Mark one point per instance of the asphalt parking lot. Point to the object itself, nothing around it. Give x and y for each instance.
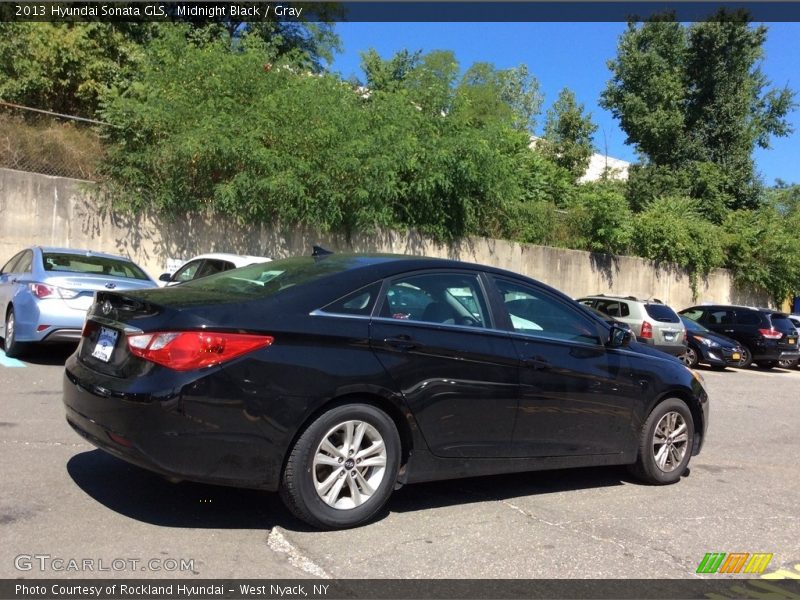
(64, 500)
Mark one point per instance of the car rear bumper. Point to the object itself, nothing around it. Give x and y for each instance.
(673, 349)
(158, 435)
(47, 320)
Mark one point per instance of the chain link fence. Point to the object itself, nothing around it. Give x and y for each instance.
(49, 143)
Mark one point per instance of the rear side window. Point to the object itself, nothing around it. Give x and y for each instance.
(10, 265)
(358, 303)
(25, 262)
(445, 298)
(662, 313)
(614, 308)
(748, 317)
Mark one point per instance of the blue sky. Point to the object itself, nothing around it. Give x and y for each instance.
(570, 55)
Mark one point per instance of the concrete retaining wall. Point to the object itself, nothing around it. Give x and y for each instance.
(38, 209)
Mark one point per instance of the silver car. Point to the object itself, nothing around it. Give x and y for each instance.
(653, 322)
(45, 292)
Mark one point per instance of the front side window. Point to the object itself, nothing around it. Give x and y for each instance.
(187, 271)
(535, 312)
(720, 317)
(693, 313)
(444, 298)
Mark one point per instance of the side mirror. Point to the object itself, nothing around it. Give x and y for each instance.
(165, 277)
(619, 336)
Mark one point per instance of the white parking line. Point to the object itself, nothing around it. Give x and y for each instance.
(9, 362)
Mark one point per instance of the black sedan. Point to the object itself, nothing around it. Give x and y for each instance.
(337, 378)
(709, 348)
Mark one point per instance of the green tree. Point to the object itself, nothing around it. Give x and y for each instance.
(696, 94)
(568, 134)
(67, 67)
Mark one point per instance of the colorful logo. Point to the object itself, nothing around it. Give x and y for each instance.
(735, 562)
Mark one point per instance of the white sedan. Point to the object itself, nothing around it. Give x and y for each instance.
(208, 264)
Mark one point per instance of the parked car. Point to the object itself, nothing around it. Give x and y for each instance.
(45, 292)
(204, 265)
(335, 379)
(792, 362)
(766, 336)
(653, 322)
(709, 348)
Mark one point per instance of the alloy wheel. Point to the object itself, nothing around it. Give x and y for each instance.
(689, 357)
(670, 441)
(349, 464)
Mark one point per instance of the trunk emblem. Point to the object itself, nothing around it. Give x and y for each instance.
(105, 308)
(111, 286)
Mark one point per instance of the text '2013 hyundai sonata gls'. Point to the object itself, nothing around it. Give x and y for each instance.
(334, 379)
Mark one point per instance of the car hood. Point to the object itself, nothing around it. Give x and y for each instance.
(723, 341)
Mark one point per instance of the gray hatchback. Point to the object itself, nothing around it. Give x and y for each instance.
(653, 322)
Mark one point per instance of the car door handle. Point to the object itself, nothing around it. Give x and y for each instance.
(537, 363)
(401, 342)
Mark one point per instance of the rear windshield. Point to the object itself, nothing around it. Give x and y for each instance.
(783, 324)
(662, 313)
(62, 262)
(268, 279)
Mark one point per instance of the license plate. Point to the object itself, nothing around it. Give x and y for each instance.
(105, 344)
(736, 356)
(792, 341)
(669, 337)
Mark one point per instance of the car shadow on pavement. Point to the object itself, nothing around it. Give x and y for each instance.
(48, 354)
(496, 488)
(145, 496)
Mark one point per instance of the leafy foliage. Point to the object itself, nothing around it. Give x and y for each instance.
(568, 134)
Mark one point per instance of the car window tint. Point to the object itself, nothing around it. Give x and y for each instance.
(359, 302)
(11, 264)
(662, 313)
(188, 271)
(720, 317)
(535, 312)
(609, 307)
(693, 313)
(92, 265)
(748, 317)
(445, 298)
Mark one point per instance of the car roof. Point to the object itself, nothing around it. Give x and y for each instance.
(79, 252)
(234, 258)
(629, 298)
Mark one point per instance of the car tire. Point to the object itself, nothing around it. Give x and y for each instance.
(12, 347)
(767, 364)
(322, 482)
(690, 358)
(665, 444)
(747, 358)
(787, 364)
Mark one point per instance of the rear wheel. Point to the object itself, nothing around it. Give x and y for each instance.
(13, 348)
(665, 444)
(343, 468)
(767, 364)
(690, 358)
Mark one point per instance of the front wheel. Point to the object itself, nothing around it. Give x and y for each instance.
(343, 468)
(747, 359)
(787, 364)
(665, 445)
(690, 358)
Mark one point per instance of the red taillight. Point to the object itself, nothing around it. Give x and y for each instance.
(187, 350)
(41, 290)
(647, 331)
(770, 334)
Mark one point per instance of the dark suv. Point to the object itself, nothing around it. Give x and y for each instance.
(767, 336)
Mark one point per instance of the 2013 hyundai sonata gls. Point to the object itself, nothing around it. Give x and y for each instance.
(333, 379)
